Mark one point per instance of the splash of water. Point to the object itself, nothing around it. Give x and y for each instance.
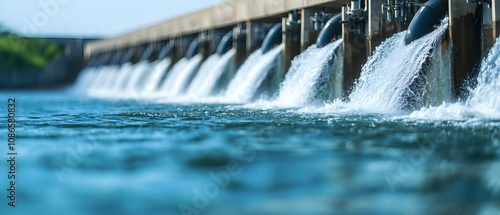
(486, 96)
(179, 77)
(483, 101)
(209, 74)
(251, 75)
(309, 70)
(386, 77)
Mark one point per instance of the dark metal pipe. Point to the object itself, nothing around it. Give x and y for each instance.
(147, 53)
(164, 52)
(193, 48)
(127, 56)
(427, 17)
(274, 37)
(225, 44)
(331, 31)
(116, 59)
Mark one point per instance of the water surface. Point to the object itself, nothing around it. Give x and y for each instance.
(90, 156)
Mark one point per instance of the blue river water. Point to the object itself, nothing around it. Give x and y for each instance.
(79, 155)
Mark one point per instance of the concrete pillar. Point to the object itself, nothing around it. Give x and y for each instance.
(487, 33)
(138, 51)
(379, 29)
(156, 49)
(465, 35)
(207, 40)
(239, 43)
(291, 41)
(179, 48)
(355, 55)
(176, 46)
(253, 36)
(173, 49)
(308, 35)
(157, 45)
(496, 18)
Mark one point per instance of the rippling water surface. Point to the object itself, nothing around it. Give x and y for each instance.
(88, 156)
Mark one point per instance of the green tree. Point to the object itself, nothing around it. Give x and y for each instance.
(26, 53)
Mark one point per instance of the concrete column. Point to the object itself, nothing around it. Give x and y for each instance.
(355, 55)
(157, 44)
(496, 18)
(253, 41)
(488, 37)
(239, 43)
(206, 43)
(180, 45)
(308, 35)
(138, 51)
(176, 46)
(154, 50)
(465, 35)
(291, 41)
(173, 49)
(379, 29)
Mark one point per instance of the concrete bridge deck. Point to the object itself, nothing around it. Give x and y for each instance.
(218, 16)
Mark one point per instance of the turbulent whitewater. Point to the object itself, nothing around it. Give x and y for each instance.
(386, 77)
(179, 77)
(309, 75)
(251, 75)
(483, 101)
(208, 76)
(153, 80)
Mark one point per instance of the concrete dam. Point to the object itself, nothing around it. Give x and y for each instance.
(396, 54)
(257, 107)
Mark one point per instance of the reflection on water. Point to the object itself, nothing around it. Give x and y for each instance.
(84, 156)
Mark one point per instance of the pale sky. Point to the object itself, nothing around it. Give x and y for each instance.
(91, 18)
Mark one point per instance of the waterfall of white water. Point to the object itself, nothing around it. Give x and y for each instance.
(486, 96)
(251, 75)
(140, 69)
(177, 79)
(101, 74)
(438, 87)
(311, 68)
(121, 79)
(83, 79)
(111, 77)
(386, 77)
(209, 74)
(153, 80)
(202, 74)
